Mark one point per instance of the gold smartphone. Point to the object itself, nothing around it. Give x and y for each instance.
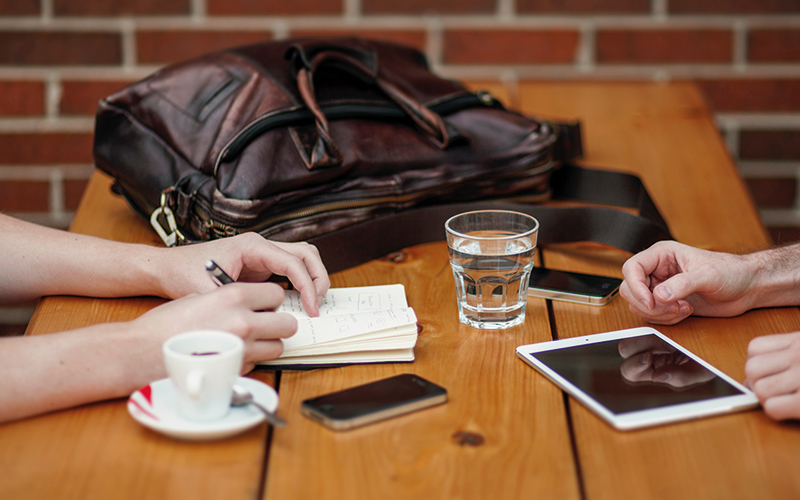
(572, 287)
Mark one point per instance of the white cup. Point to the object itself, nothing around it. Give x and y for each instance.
(203, 366)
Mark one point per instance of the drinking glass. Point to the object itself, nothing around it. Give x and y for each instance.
(491, 254)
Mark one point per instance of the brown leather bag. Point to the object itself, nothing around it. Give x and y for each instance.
(335, 141)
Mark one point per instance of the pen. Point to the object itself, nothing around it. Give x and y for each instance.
(217, 274)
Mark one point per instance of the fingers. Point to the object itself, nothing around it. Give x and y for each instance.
(664, 314)
(773, 373)
(637, 368)
(636, 286)
(307, 273)
(651, 343)
(783, 407)
(771, 343)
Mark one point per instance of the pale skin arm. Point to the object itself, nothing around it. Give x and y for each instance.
(49, 372)
(38, 261)
(773, 373)
(670, 281)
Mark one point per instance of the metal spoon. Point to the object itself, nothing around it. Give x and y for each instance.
(241, 396)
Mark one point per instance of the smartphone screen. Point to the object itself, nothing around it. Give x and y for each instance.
(572, 287)
(375, 401)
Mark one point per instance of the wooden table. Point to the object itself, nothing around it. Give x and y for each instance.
(506, 432)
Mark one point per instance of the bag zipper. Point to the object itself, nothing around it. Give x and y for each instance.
(224, 230)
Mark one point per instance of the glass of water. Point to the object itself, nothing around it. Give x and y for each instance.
(491, 253)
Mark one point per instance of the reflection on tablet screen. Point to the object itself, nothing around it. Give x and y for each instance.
(636, 373)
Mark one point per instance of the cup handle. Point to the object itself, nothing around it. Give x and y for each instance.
(194, 383)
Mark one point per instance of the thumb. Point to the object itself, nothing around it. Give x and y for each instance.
(677, 287)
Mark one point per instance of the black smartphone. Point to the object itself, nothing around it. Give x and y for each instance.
(375, 401)
(572, 287)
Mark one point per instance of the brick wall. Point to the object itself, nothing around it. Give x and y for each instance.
(58, 57)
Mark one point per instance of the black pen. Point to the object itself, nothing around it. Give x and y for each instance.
(217, 274)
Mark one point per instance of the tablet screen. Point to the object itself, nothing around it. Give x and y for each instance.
(636, 373)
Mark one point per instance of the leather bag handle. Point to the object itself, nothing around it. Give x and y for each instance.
(362, 63)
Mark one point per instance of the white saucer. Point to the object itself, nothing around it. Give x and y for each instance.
(153, 407)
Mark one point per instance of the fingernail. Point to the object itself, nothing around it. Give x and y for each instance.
(672, 309)
(644, 359)
(684, 309)
(664, 292)
(662, 378)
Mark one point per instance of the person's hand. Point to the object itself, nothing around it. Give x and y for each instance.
(773, 373)
(246, 257)
(240, 308)
(650, 359)
(670, 281)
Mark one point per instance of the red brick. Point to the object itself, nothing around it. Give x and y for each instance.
(21, 98)
(73, 192)
(769, 145)
(412, 38)
(81, 97)
(783, 235)
(19, 8)
(411, 7)
(121, 7)
(750, 94)
(273, 7)
(59, 48)
(773, 193)
(510, 46)
(37, 149)
(24, 196)
(664, 46)
(773, 45)
(160, 47)
(732, 6)
(584, 6)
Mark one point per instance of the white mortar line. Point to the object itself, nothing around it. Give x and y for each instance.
(56, 194)
(759, 121)
(45, 172)
(46, 7)
(352, 11)
(52, 96)
(659, 9)
(769, 169)
(585, 56)
(506, 10)
(740, 46)
(198, 10)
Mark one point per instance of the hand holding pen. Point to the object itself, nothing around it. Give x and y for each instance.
(218, 276)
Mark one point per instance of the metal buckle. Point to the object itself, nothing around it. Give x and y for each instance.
(174, 236)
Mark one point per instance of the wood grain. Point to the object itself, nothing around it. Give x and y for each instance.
(663, 133)
(502, 434)
(98, 450)
(506, 431)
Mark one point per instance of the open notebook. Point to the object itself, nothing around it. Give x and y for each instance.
(355, 325)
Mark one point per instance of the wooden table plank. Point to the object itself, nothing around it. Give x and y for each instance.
(98, 450)
(663, 133)
(519, 417)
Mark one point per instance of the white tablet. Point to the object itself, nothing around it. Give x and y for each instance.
(637, 378)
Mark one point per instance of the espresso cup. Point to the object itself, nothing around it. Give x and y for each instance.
(203, 366)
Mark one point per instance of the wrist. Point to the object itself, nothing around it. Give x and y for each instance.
(776, 275)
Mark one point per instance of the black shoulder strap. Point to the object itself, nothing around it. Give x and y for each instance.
(378, 237)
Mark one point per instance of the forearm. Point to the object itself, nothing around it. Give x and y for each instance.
(777, 276)
(38, 261)
(49, 372)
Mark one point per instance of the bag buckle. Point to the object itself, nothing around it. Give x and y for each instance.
(174, 236)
